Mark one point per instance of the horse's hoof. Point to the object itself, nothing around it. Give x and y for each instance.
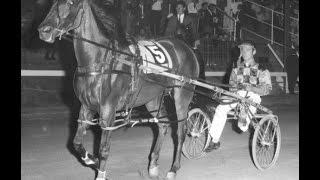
(171, 175)
(154, 172)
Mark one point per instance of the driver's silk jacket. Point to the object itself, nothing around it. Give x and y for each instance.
(251, 76)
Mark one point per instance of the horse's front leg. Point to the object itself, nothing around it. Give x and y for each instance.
(107, 117)
(84, 114)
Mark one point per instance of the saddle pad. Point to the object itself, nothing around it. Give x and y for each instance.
(154, 55)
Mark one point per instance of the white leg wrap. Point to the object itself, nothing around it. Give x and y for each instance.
(87, 160)
(154, 172)
(102, 175)
(171, 175)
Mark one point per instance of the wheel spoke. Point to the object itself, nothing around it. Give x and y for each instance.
(197, 149)
(194, 147)
(198, 114)
(203, 127)
(187, 145)
(200, 144)
(203, 123)
(191, 121)
(191, 145)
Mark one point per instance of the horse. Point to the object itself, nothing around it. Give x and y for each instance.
(104, 85)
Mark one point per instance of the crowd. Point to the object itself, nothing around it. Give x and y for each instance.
(152, 17)
(212, 18)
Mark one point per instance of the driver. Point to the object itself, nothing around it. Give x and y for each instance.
(251, 81)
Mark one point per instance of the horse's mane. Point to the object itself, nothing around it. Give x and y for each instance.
(108, 21)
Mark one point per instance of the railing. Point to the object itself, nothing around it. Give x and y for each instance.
(231, 30)
(216, 53)
(268, 23)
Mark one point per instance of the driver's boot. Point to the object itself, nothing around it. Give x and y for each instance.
(212, 146)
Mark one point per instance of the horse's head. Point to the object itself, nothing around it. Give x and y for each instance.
(64, 15)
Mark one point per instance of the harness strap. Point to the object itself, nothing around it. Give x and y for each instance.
(92, 122)
(113, 127)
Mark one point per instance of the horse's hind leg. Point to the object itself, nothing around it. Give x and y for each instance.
(163, 128)
(182, 98)
(84, 114)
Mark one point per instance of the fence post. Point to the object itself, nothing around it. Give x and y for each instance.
(272, 27)
(235, 30)
(287, 40)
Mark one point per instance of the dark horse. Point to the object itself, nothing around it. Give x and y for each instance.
(105, 92)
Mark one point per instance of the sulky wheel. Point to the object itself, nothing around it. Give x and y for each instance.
(197, 137)
(266, 142)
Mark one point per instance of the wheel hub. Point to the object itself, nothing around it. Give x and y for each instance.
(264, 143)
(195, 133)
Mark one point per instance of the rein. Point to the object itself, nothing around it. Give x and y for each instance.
(94, 43)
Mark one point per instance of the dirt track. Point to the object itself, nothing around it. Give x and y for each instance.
(44, 152)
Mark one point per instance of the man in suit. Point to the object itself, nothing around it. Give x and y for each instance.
(181, 25)
(213, 20)
(292, 68)
(209, 20)
(155, 17)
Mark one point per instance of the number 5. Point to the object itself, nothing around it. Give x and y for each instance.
(159, 55)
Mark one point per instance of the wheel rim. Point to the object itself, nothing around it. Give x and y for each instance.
(267, 144)
(197, 134)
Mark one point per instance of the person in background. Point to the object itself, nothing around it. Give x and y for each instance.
(238, 17)
(209, 20)
(193, 8)
(204, 27)
(155, 19)
(248, 80)
(292, 68)
(182, 26)
(212, 10)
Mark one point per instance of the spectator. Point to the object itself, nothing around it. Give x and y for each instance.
(215, 19)
(131, 17)
(238, 17)
(208, 20)
(155, 19)
(205, 23)
(193, 8)
(181, 25)
(292, 68)
(142, 35)
(202, 20)
(143, 14)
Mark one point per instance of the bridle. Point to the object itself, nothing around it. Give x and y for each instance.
(65, 33)
(61, 31)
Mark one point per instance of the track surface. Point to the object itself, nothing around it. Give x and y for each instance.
(45, 154)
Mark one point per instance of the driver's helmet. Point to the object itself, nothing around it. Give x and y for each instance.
(247, 43)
